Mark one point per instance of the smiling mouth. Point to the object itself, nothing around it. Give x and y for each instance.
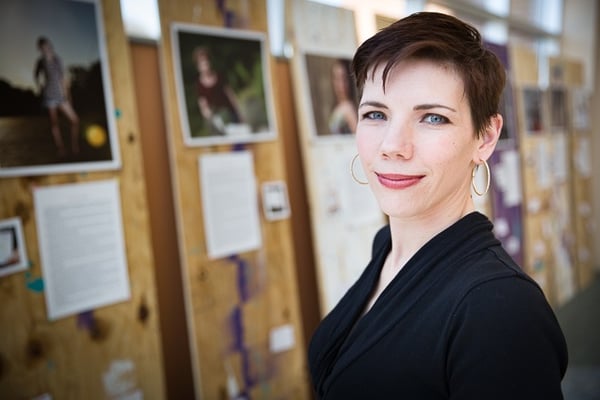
(398, 181)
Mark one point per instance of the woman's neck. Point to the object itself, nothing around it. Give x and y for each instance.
(410, 234)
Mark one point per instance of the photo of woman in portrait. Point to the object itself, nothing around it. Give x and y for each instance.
(217, 102)
(343, 117)
(333, 95)
(222, 84)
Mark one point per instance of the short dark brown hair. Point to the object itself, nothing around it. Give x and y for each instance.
(440, 38)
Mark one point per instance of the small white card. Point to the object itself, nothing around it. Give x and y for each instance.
(275, 200)
(282, 338)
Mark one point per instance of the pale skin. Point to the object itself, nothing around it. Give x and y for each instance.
(418, 147)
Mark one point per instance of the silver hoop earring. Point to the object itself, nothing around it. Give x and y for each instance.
(488, 180)
(352, 172)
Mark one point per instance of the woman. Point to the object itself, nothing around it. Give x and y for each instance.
(217, 102)
(441, 311)
(52, 82)
(343, 116)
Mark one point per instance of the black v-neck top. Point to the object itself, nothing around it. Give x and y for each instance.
(459, 321)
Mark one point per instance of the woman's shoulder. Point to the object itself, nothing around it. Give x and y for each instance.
(496, 285)
(381, 240)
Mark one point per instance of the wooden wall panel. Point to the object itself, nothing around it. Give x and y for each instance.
(65, 358)
(524, 65)
(583, 215)
(233, 303)
(303, 248)
(169, 286)
(344, 216)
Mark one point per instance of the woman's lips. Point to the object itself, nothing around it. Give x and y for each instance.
(398, 181)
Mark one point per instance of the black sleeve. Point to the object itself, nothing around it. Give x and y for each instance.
(505, 343)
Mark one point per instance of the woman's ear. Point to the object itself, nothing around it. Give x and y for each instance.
(489, 139)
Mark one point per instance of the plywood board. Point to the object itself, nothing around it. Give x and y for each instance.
(233, 304)
(111, 351)
(344, 215)
(524, 65)
(581, 190)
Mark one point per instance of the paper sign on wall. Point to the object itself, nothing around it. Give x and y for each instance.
(82, 247)
(229, 203)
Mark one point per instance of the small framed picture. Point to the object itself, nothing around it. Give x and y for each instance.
(222, 84)
(13, 256)
(275, 200)
(557, 96)
(580, 108)
(57, 113)
(508, 134)
(532, 110)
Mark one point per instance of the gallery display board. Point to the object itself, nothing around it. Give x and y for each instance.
(555, 175)
(109, 351)
(344, 214)
(241, 296)
(568, 76)
(506, 189)
(534, 147)
(585, 231)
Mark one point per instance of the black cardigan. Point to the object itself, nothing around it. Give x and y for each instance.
(459, 321)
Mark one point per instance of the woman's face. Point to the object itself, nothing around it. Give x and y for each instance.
(202, 62)
(46, 50)
(416, 140)
(339, 80)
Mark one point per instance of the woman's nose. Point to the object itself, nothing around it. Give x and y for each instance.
(398, 142)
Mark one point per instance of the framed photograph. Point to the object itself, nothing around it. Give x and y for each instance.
(532, 110)
(332, 94)
(580, 109)
(557, 96)
(13, 256)
(57, 114)
(223, 85)
(508, 134)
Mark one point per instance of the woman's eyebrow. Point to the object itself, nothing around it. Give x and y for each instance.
(430, 106)
(372, 104)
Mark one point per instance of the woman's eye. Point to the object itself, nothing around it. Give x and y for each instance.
(435, 119)
(374, 115)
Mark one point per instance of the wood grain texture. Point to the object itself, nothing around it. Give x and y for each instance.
(232, 303)
(62, 358)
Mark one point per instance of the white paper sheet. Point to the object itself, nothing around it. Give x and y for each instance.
(544, 165)
(583, 157)
(561, 158)
(82, 246)
(511, 172)
(229, 202)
